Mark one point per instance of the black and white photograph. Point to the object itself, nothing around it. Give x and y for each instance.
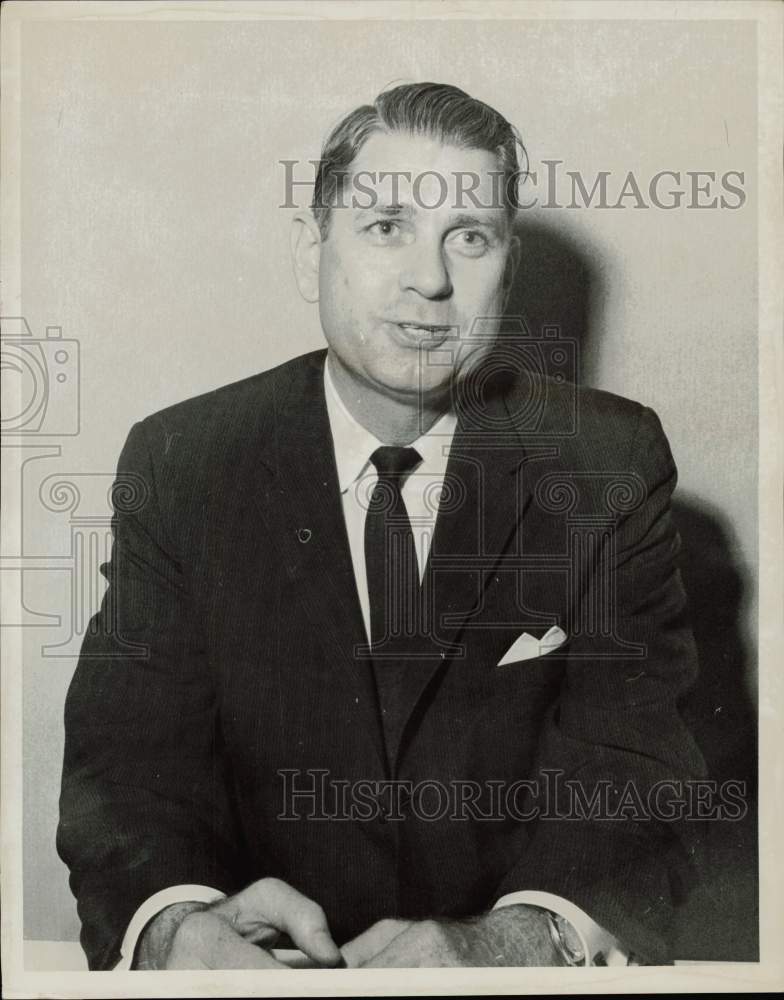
(392, 498)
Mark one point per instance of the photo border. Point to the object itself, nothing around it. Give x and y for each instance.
(768, 973)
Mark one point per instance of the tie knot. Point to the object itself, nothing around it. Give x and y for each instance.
(392, 462)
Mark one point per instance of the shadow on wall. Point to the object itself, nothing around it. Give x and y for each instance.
(559, 284)
(719, 709)
(720, 713)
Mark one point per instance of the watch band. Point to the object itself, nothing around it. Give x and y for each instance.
(596, 940)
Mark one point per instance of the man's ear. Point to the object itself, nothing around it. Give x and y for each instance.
(306, 254)
(512, 265)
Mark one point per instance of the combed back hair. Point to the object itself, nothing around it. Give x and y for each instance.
(436, 110)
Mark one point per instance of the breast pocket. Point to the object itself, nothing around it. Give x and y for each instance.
(546, 668)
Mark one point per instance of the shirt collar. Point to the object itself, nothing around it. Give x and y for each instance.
(354, 444)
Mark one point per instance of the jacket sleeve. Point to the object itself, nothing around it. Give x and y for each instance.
(614, 754)
(143, 798)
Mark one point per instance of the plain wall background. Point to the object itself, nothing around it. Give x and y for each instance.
(151, 232)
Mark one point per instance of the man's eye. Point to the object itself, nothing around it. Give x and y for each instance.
(470, 242)
(388, 233)
(384, 227)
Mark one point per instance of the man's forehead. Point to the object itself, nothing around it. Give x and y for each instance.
(407, 150)
(417, 168)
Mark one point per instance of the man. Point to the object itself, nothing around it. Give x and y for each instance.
(410, 565)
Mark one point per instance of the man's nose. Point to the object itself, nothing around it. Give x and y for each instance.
(425, 271)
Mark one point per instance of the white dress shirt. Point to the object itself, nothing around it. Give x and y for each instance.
(357, 476)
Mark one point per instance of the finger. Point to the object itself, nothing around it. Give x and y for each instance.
(244, 915)
(263, 935)
(304, 921)
(394, 957)
(370, 942)
(405, 950)
(273, 903)
(206, 941)
(229, 950)
(387, 958)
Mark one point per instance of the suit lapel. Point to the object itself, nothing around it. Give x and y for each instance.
(487, 490)
(301, 505)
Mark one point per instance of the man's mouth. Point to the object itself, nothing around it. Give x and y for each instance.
(421, 336)
(426, 329)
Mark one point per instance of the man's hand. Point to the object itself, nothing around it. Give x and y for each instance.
(236, 933)
(375, 939)
(514, 935)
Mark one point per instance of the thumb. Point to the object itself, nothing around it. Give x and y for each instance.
(276, 904)
(303, 920)
(306, 925)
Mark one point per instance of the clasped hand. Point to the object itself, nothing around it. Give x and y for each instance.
(239, 932)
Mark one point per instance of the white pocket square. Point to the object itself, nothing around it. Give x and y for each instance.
(526, 647)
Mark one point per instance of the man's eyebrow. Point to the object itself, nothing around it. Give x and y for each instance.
(394, 209)
(496, 223)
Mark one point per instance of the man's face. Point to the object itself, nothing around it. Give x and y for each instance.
(399, 280)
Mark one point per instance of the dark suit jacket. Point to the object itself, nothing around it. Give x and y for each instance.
(228, 650)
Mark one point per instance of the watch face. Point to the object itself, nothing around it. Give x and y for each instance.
(570, 941)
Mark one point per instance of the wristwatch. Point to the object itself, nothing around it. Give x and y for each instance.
(566, 941)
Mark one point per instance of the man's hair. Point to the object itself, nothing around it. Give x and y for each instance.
(436, 110)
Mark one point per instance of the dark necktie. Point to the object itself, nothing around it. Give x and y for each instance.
(392, 578)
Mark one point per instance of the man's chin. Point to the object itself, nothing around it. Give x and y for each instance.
(428, 394)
